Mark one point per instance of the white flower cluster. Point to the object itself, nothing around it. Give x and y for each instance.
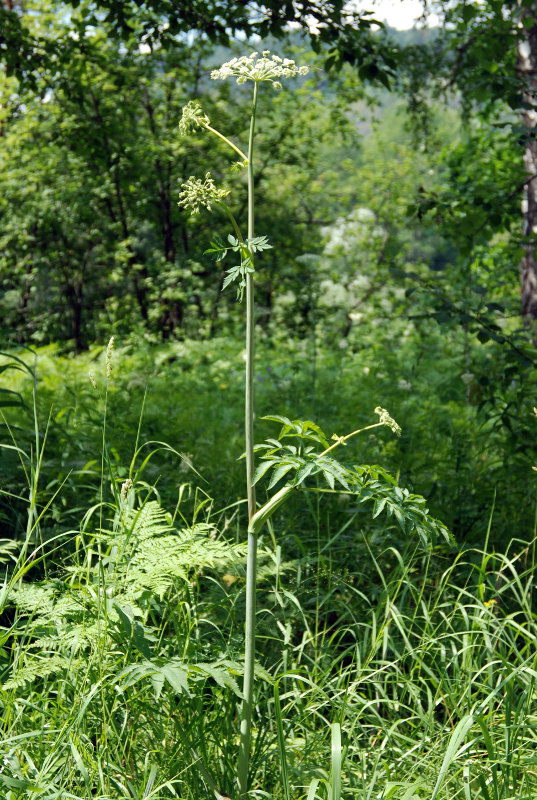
(259, 68)
(197, 192)
(193, 117)
(385, 419)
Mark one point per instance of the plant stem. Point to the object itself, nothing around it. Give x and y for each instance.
(250, 344)
(249, 642)
(225, 139)
(343, 439)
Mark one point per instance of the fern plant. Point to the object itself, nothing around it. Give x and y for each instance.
(104, 603)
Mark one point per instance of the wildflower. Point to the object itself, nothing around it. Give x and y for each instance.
(193, 117)
(197, 192)
(385, 419)
(109, 351)
(259, 68)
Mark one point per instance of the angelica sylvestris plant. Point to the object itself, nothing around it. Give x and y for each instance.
(256, 70)
(293, 456)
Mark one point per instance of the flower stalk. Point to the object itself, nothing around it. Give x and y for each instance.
(251, 561)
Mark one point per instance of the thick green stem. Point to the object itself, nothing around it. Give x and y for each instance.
(249, 643)
(265, 512)
(249, 661)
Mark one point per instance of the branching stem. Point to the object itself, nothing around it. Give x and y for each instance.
(343, 439)
(225, 139)
(267, 510)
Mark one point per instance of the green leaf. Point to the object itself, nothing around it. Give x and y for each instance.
(379, 506)
(329, 478)
(258, 243)
(262, 469)
(10, 398)
(453, 750)
(217, 246)
(279, 473)
(176, 676)
(220, 675)
(285, 421)
(231, 275)
(304, 471)
(335, 469)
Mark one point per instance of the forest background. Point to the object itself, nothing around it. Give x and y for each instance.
(395, 184)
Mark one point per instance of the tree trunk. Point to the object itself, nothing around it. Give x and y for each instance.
(527, 62)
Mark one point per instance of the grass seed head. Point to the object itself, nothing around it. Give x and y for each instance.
(109, 351)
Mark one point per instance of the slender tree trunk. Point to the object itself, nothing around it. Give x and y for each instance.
(138, 273)
(163, 174)
(9, 7)
(527, 62)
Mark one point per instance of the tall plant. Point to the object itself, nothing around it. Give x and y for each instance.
(298, 459)
(256, 70)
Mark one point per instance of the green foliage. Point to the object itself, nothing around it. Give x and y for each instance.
(398, 672)
(142, 559)
(94, 238)
(365, 483)
(397, 646)
(246, 248)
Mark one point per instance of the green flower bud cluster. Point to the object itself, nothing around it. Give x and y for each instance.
(385, 419)
(197, 192)
(193, 117)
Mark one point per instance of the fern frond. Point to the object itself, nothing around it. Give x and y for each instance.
(35, 668)
(162, 555)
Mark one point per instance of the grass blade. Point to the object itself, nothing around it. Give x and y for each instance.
(335, 773)
(457, 737)
(281, 742)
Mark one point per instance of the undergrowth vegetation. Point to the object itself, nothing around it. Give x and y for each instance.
(383, 670)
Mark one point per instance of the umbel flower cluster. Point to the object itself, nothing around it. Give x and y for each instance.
(193, 117)
(259, 68)
(197, 192)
